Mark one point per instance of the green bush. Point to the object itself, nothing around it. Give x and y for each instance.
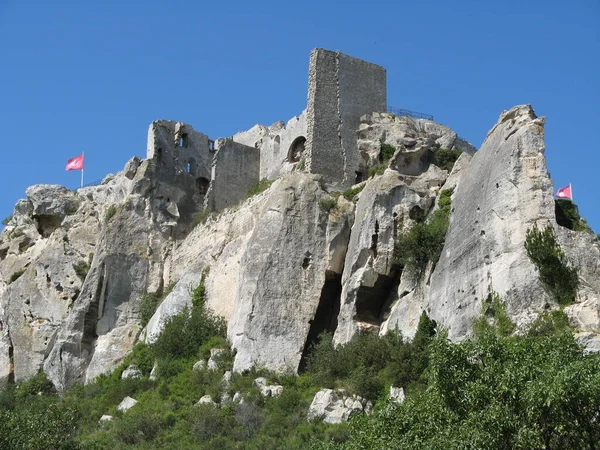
(494, 317)
(424, 242)
(184, 333)
(567, 215)
(493, 392)
(110, 212)
(148, 304)
(377, 170)
(350, 194)
(6, 220)
(327, 204)
(81, 269)
(445, 158)
(549, 323)
(386, 152)
(368, 364)
(553, 266)
(261, 186)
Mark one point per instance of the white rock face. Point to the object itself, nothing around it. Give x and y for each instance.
(105, 418)
(335, 407)
(199, 365)
(127, 404)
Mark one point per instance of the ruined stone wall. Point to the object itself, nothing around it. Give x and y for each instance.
(235, 171)
(341, 89)
(275, 143)
(178, 145)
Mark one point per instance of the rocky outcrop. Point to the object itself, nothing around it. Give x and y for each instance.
(287, 264)
(336, 406)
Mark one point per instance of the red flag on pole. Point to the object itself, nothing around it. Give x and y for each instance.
(565, 193)
(75, 163)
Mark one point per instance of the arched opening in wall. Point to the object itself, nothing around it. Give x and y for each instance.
(276, 144)
(183, 140)
(296, 149)
(202, 185)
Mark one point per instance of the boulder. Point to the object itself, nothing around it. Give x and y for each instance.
(335, 407)
(131, 372)
(199, 366)
(397, 394)
(126, 404)
(206, 400)
(105, 418)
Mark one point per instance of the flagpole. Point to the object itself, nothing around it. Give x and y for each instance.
(82, 154)
(571, 189)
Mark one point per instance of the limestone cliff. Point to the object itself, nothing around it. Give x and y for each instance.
(287, 264)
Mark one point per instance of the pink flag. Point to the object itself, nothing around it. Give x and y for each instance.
(565, 193)
(75, 163)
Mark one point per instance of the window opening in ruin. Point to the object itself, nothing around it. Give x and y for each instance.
(183, 140)
(189, 168)
(211, 145)
(296, 149)
(159, 154)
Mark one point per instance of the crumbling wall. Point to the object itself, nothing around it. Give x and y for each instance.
(276, 144)
(341, 89)
(178, 145)
(235, 170)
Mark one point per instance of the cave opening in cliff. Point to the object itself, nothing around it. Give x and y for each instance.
(373, 302)
(46, 224)
(325, 319)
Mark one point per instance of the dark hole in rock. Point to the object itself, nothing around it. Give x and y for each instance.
(325, 319)
(3, 253)
(11, 373)
(416, 213)
(373, 303)
(46, 224)
(360, 177)
(375, 239)
(307, 260)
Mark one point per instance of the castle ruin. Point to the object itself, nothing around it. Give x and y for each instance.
(321, 140)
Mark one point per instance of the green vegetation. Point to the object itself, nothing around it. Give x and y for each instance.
(327, 203)
(261, 186)
(497, 390)
(425, 240)
(386, 152)
(567, 215)
(202, 216)
(368, 365)
(350, 194)
(150, 302)
(445, 158)
(81, 269)
(15, 276)
(554, 268)
(6, 220)
(110, 212)
(493, 318)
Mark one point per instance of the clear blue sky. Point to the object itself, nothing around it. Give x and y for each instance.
(91, 76)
